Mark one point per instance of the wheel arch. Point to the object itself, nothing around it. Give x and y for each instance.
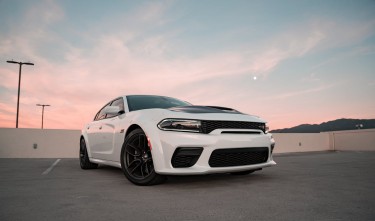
(131, 128)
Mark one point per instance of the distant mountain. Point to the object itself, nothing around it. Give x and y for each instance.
(335, 125)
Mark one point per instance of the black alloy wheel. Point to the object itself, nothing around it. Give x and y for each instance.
(136, 160)
(84, 159)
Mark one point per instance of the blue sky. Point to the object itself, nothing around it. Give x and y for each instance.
(313, 60)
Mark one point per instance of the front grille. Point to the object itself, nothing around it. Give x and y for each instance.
(186, 156)
(209, 125)
(240, 132)
(238, 157)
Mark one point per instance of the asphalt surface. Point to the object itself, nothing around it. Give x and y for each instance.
(313, 186)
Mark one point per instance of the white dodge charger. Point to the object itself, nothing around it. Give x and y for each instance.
(149, 137)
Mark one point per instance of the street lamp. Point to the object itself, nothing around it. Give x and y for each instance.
(43, 105)
(19, 84)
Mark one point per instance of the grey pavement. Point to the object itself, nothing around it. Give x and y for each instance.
(310, 186)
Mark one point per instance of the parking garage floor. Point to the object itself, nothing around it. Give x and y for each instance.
(309, 186)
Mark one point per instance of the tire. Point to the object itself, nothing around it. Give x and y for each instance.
(246, 172)
(84, 157)
(136, 160)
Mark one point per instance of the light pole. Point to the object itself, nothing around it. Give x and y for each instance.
(43, 105)
(19, 85)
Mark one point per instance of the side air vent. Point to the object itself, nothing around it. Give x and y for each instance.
(186, 156)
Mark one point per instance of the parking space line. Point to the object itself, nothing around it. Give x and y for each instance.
(51, 167)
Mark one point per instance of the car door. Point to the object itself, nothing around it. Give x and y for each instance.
(110, 130)
(94, 134)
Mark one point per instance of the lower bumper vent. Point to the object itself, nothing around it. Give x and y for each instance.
(238, 157)
(186, 156)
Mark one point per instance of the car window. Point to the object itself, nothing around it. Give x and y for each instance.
(139, 102)
(119, 103)
(96, 116)
(101, 114)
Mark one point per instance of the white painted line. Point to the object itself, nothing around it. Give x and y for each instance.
(51, 167)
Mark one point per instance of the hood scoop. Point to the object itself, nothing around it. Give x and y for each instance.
(204, 110)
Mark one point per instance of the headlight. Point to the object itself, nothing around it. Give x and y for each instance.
(180, 125)
(264, 127)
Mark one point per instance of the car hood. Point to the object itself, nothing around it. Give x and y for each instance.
(199, 113)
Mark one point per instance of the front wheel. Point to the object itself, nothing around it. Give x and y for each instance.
(136, 160)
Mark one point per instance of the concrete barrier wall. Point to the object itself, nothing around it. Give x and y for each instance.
(37, 143)
(301, 142)
(20, 143)
(353, 140)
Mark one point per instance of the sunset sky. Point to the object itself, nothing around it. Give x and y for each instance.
(290, 62)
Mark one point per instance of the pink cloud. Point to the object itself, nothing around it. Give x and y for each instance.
(122, 63)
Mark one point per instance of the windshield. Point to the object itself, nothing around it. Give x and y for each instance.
(140, 102)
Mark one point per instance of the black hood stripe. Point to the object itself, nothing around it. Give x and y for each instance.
(204, 110)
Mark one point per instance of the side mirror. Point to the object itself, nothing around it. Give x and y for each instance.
(112, 110)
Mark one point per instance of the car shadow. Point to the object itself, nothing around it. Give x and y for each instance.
(201, 181)
(215, 180)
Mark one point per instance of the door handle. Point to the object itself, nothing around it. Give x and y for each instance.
(100, 127)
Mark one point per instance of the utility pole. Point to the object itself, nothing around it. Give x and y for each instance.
(43, 105)
(19, 84)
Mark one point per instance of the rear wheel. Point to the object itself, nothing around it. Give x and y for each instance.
(84, 157)
(136, 160)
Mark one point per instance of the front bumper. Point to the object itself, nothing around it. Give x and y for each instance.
(164, 144)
